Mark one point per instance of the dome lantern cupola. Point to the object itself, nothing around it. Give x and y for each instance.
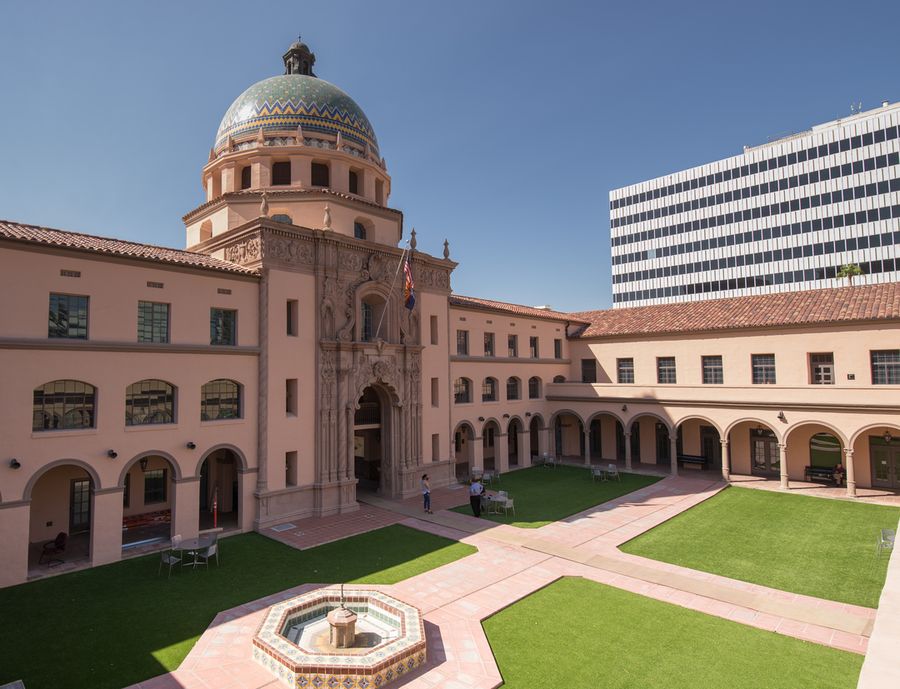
(299, 59)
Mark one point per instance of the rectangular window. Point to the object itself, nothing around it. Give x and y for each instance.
(886, 367)
(281, 173)
(625, 370)
(293, 317)
(222, 326)
(435, 393)
(153, 322)
(154, 486)
(533, 347)
(763, 366)
(368, 322)
(512, 388)
(665, 370)
(712, 370)
(435, 447)
(489, 344)
(291, 468)
(320, 175)
(557, 348)
(512, 343)
(68, 316)
(588, 370)
(462, 342)
(434, 330)
(246, 171)
(353, 182)
(290, 396)
(821, 368)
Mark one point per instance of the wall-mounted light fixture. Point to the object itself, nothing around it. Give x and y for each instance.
(781, 416)
(481, 418)
(112, 454)
(506, 416)
(14, 463)
(191, 445)
(144, 462)
(528, 413)
(887, 437)
(624, 407)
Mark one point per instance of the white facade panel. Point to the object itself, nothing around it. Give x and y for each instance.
(782, 216)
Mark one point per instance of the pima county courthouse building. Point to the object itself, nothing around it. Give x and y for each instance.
(271, 371)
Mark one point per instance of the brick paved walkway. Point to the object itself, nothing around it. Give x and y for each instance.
(510, 564)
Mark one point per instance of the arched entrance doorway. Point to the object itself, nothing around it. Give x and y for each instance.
(568, 436)
(512, 441)
(371, 440)
(61, 503)
(489, 434)
(754, 450)
(534, 436)
(148, 501)
(220, 494)
(463, 437)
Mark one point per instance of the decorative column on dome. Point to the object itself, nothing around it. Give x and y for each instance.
(299, 59)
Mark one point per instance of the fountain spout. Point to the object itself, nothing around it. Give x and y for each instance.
(342, 621)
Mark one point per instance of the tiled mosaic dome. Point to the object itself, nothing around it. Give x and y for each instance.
(286, 101)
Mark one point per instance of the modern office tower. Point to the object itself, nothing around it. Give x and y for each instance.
(785, 215)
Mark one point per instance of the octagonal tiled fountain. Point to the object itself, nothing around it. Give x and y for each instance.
(295, 640)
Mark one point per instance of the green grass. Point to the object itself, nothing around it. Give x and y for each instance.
(802, 544)
(582, 635)
(545, 495)
(119, 624)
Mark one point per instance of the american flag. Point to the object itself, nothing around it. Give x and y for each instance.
(409, 294)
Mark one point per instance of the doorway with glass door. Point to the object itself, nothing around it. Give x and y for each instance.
(764, 460)
(884, 454)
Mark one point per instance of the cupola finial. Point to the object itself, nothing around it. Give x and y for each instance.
(299, 59)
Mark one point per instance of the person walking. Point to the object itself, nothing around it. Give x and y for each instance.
(475, 492)
(426, 494)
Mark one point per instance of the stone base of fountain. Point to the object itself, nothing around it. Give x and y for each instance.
(297, 643)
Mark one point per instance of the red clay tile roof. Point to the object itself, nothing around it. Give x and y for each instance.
(45, 236)
(515, 309)
(859, 303)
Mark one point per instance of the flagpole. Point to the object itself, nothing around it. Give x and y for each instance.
(393, 282)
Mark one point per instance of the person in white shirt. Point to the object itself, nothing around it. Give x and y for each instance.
(475, 491)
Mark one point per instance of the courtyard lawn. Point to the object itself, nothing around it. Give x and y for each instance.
(119, 624)
(545, 495)
(581, 635)
(814, 546)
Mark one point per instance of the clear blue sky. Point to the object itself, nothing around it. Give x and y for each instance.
(504, 124)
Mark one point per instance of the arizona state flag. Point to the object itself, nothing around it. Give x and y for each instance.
(409, 293)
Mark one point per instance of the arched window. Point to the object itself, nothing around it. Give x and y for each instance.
(320, 175)
(359, 230)
(353, 182)
(282, 217)
(513, 388)
(372, 314)
(220, 399)
(489, 390)
(559, 379)
(246, 171)
(63, 404)
(534, 388)
(148, 402)
(462, 390)
(824, 450)
(205, 230)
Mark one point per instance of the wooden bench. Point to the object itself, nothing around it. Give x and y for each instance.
(824, 474)
(696, 460)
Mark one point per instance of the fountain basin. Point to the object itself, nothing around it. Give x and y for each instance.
(294, 641)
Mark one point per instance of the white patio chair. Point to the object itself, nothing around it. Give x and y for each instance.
(598, 473)
(509, 504)
(169, 559)
(885, 541)
(612, 472)
(204, 556)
